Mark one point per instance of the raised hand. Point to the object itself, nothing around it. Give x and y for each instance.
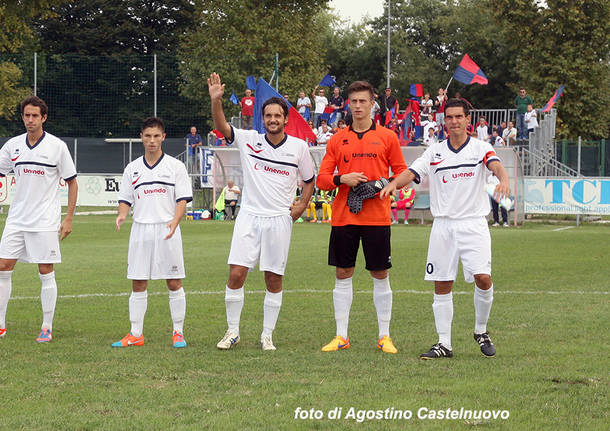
(215, 87)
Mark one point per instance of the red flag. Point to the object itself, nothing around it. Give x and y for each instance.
(298, 127)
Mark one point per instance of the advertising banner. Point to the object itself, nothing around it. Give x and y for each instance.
(567, 195)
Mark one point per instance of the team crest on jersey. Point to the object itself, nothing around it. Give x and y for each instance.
(345, 142)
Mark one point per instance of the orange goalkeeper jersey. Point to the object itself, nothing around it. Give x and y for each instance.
(373, 152)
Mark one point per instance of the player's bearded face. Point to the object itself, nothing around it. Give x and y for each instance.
(152, 138)
(274, 119)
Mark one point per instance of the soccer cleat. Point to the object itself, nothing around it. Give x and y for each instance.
(45, 336)
(178, 340)
(487, 347)
(496, 224)
(267, 343)
(2, 332)
(385, 345)
(406, 222)
(437, 351)
(337, 343)
(129, 340)
(229, 340)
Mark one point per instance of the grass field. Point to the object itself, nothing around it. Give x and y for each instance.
(549, 323)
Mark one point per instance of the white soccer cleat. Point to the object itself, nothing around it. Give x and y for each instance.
(267, 343)
(230, 339)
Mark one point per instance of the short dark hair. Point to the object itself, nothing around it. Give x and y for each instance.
(361, 86)
(153, 122)
(35, 101)
(276, 101)
(456, 103)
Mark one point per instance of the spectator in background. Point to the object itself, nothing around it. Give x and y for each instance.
(430, 137)
(501, 127)
(497, 139)
(439, 104)
(323, 133)
(483, 130)
(337, 103)
(531, 119)
(194, 141)
(387, 102)
(231, 192)
(303, 103)
(320, 103)
(509, 135)
(428, 124)
(470, 105)
(287, 97)
(220, 140)
(340, 125)
(521, 102)
(247, 109)
(425, 106)
(492, 179)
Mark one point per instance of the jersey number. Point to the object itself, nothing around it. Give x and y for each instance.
(429, 268)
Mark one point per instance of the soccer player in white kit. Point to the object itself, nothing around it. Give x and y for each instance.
(157, 186)
(39, 160)
(271, 163)
(458, 168)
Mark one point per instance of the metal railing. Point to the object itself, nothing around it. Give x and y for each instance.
(538, 164)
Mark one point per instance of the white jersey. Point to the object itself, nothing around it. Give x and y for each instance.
(153, 191)
(457, 177)
(270, 172)
(36, 205)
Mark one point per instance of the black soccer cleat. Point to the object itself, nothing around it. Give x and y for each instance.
(487, 347)
(437, 351)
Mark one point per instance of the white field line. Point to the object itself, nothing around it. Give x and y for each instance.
(563, 228)
(329, 291)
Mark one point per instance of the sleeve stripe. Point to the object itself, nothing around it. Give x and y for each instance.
(121, 201)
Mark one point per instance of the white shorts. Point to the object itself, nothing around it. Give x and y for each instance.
(467, 240)
(262, 239)
(151, 256)
(30, 247)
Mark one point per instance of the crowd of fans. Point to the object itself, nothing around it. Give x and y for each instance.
(420, 122)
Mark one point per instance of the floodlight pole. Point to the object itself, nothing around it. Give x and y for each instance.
(155, 85)
(388, 77)
(277, 72)
(35, 72)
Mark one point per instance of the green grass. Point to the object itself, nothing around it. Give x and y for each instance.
(549, 323)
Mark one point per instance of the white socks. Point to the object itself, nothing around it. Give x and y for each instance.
(138, 302)
(482, 307)
(443, 316)
(48, 298)
(234, 302)
(382, 297)
(177, 308)
(5, 295)
(271, 311)
(342, 299)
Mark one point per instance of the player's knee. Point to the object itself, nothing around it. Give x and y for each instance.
(343, 273)
(379, 275)
(483, 281)
(174, 284)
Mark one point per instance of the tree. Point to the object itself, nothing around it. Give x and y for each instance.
(563, 42)
(97, 65)
(355, 53)
(239, 38)
(16, 33)
(430, 37)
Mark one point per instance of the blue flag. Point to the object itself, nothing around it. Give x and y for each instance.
(327, 81)
(234, 99)
(251, 82)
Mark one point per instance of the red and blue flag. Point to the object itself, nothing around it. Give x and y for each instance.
(417, 90)
(296, 126)
(469, 73)
(553, 99)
